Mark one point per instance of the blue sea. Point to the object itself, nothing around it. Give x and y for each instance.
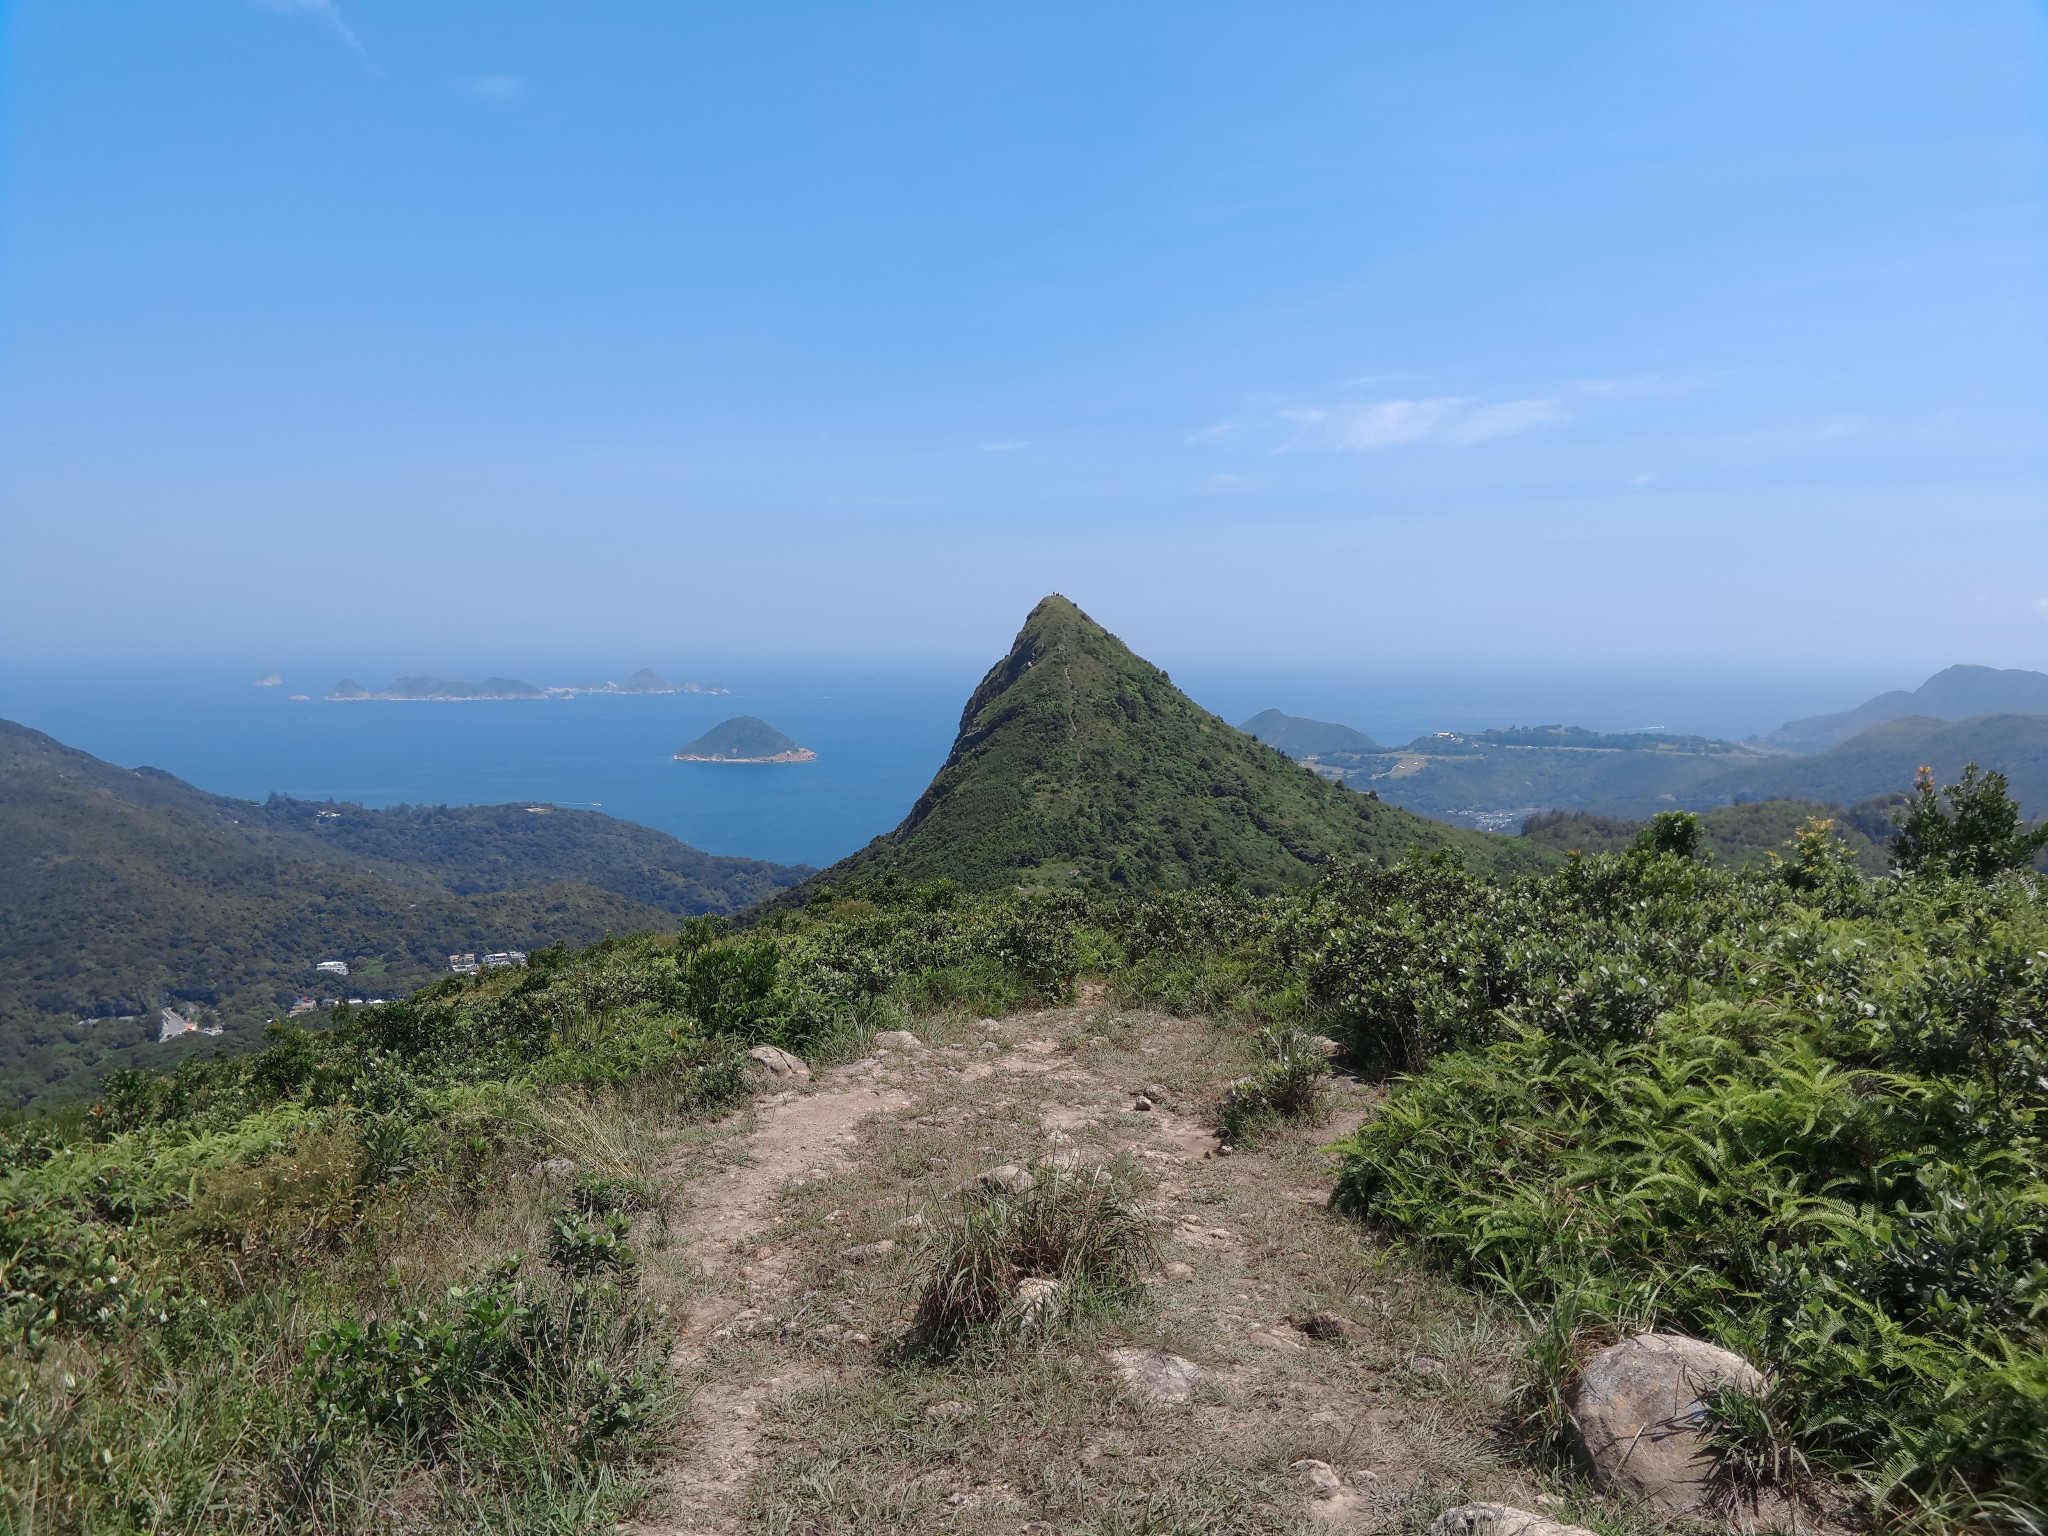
(879, 734)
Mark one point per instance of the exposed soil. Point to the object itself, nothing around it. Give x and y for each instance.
(806, 1233)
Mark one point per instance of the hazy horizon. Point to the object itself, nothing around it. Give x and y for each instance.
(1381, 338)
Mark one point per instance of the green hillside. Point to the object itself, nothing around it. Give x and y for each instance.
(743, 739)
(1886, 757)
(1080, 761)
(1737, 836)
(419, 1270)
(1301, 739)
(123, 891)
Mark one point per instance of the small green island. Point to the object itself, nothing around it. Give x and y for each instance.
(744, 739)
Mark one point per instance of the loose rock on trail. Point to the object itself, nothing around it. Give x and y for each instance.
(1269, 1382)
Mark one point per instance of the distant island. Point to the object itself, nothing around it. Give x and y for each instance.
(743, 739)
(644, 681)
(443, 690)
(438, 690)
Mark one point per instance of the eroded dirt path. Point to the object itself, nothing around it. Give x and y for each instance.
(805, 1236)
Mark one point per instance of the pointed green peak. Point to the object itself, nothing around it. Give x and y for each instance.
(1078, 760)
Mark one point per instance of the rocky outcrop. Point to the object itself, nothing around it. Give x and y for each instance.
(778, 1066)
(1641, 1417)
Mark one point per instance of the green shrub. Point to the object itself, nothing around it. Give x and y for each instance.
(1290, 1087)
(584, 1245)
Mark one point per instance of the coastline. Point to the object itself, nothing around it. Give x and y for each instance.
(800, 755)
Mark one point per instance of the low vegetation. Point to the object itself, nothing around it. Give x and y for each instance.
(1290, 1086)
(416, 1260)
(1025, 1262)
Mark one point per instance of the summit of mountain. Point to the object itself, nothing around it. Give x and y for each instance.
(1079, 761)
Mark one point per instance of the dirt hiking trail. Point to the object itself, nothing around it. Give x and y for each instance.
(1286, 1375)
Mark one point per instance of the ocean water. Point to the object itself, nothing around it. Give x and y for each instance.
(879, 735)
(878, 739)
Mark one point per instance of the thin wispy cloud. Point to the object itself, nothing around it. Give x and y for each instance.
(495, 87)
(1372, 426)
(324, 10)
(1639, 386)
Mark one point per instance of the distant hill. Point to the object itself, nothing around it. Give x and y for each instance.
(744, 739)
(1493, 779)
(1078, 760)
(1738, 836)
(1958, 693)
(123, 891)
(1886, 757)
(1303, 739)
(439, 690)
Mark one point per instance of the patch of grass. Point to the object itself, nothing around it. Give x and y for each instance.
(1032, 1262)
(1292, 1086)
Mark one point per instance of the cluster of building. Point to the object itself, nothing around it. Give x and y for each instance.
(469, 963)
(306, 1005)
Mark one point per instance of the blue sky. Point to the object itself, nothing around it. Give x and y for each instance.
(1388, 335)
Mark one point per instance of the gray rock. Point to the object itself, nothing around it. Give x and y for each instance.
(898, 1040)
(1500, 1520)
(1005, 1179)
(554, 1167)
(869, 1251)
(952, 1408)
(1640, 1419)
(1332, 1500)
(1036, 1299)
(777, 1065)
(1155, 1374)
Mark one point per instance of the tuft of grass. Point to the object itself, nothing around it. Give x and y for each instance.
(1292, 1086)
(1755, 1440)
(1079, 1233)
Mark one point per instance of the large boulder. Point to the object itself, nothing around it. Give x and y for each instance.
(1500, 1520)
(777, 1065)
(1641, 1416)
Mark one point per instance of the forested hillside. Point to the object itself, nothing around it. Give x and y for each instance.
(1080, 761)
(123, 891)
(1734, 836)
